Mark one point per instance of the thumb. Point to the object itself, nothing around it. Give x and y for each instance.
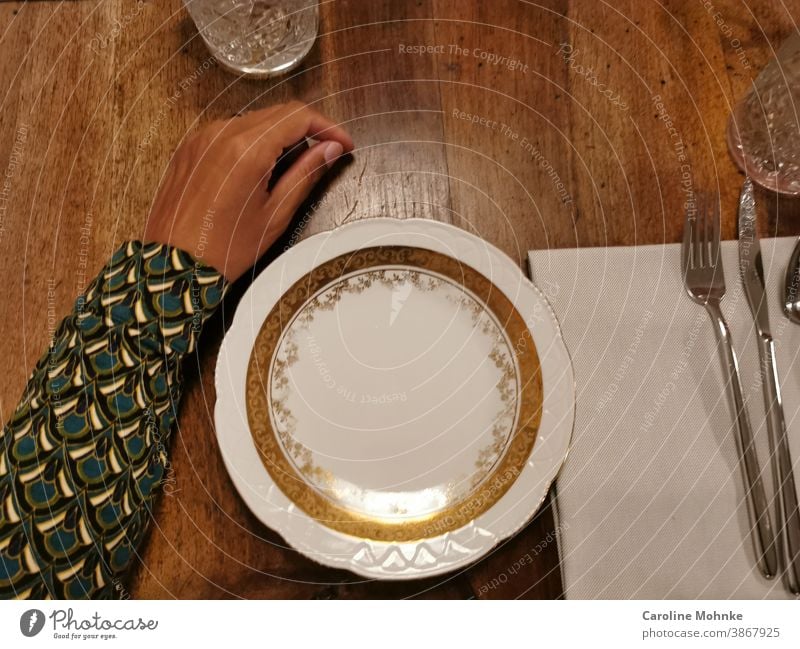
(296, 183)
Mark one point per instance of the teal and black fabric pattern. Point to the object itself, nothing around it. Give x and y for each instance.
(85, 451)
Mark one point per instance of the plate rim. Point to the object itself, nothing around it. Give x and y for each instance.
(277, 512)
(518, 444)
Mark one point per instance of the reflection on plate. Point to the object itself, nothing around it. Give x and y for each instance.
(394, 393)
(394, 398)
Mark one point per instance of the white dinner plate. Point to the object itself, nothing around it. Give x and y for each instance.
(394, 398)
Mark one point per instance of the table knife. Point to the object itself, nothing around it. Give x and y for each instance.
(752, 271)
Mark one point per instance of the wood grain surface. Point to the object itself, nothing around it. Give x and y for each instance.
(563, 143)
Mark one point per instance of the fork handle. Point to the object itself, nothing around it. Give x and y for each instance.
(787, 516)
(761, 524)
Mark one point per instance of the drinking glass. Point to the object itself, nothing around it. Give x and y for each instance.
(260, 38)
(764, 128)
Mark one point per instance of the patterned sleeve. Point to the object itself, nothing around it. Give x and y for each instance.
(84, 453)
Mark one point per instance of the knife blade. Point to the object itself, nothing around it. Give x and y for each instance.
(751, 267)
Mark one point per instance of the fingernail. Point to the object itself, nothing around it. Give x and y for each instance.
(332, 153)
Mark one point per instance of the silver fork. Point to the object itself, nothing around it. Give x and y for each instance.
(705, 284)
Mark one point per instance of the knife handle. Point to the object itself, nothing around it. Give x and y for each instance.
(758, 509)
(787, 514)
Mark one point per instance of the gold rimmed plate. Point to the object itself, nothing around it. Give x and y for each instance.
(382, 401)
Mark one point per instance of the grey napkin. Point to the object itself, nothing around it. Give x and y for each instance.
(650, 500)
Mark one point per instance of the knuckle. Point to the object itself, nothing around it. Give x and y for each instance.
(212, 128)
(239, 147)
(312, 168)
(297, 106)
(206, 135)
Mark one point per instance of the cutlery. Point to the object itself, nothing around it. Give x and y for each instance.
(705, 283)
(791, 289)
(787, 519)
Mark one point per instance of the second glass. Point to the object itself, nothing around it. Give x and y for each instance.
(764, 128)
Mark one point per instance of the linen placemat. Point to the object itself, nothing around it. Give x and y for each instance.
(650, 501)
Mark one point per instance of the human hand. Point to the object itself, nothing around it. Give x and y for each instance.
(214, 203)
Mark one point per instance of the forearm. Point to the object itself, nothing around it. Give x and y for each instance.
(84, 453)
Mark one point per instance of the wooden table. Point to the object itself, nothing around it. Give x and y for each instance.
(563, 143)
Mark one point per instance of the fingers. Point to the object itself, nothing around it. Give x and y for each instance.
(261, 135)
(293, 122)
(252, 144)
(297, 182)
(260, 146)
